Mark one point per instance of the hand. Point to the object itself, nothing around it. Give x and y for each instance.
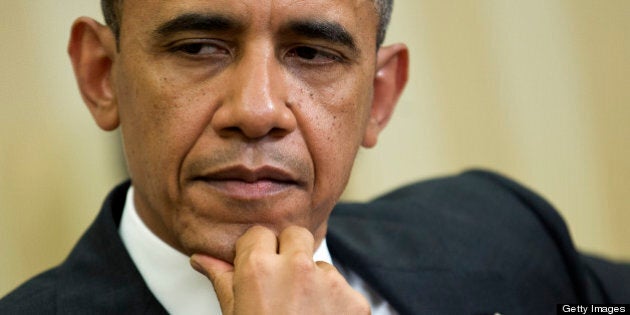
(277, 275)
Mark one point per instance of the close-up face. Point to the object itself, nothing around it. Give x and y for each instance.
(237, 113)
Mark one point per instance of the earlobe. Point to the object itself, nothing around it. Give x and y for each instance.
(392, 66)
(92, 49)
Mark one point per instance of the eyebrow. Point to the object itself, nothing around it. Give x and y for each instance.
(197, 22)
(325, 30)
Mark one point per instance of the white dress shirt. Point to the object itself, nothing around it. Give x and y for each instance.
(181, 289)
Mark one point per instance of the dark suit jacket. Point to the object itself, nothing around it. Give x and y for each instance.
(476, 243)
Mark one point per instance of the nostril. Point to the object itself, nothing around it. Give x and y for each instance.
(230, 131)
(233, 129)
(278, 132)
(253, 118)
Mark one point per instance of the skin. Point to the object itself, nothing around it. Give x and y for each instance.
(256, 124)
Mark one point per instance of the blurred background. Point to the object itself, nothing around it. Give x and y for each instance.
(538, 90)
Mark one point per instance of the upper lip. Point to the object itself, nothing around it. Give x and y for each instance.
(250, 175)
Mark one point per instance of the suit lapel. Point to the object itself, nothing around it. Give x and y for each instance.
(99, 272)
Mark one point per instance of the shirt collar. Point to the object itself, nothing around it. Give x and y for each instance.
(167, 272)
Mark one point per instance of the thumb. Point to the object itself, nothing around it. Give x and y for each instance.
(221, 274)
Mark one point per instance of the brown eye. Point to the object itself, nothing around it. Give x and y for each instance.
(306, 52)
(201, 49)
(191, 48)
(313, 55)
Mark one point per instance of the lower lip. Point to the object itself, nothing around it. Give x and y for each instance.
(249, 190)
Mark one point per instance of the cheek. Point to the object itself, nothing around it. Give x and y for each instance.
(333, 127)
(160, 122)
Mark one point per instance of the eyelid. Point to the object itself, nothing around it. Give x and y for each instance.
(333, 55)
(176, 46)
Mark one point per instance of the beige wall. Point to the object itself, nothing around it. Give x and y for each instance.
(536, 89)
(56, 166)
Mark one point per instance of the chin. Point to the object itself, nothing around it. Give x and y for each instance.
(218, 242)
(213, 231)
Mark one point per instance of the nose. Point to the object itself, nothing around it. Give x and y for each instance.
(256, 103)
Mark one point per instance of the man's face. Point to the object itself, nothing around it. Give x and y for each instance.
(241, 113)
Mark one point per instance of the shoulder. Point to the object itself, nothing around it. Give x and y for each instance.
(36, 296)
(471, 196)
(610, 281)
(467, 225)
(475, 205)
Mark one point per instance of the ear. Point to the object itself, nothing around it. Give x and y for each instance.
(92, 49)
(392, 66)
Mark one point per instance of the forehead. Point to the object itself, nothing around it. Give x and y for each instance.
(357, 16)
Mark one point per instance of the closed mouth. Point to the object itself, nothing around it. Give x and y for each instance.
(241, 182)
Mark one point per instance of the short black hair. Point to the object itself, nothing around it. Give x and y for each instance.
(112, 11)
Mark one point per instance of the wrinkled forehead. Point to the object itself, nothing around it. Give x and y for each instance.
(358, 17)
(253, 6)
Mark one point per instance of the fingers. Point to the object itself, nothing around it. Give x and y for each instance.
(258, 241)
(255, 246)
(222, 276)
(296, 239)
(257, 238)
(277, 275)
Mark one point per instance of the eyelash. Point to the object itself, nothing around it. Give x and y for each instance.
(312, 53)
(194, 47)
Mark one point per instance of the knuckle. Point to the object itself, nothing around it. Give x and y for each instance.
(255, 265)
(302, 262)
(254, 275)
(259, 259)
(362, 306)
(257, 262)
(335, 279)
